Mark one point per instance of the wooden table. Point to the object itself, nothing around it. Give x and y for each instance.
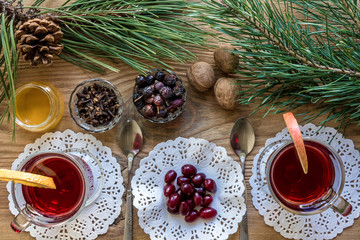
(202, 118)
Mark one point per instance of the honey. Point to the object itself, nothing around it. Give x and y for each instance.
(39, 106)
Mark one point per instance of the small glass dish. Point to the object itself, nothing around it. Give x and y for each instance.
(39, 106)
(156, 105)
(99, 110)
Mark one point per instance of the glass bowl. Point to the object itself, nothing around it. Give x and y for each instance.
(95, 106)
(153, 102)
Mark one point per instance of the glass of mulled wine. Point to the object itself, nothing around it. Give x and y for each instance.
(301, 193)
(51, 207)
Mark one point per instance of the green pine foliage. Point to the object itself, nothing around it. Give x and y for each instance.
(294, 52)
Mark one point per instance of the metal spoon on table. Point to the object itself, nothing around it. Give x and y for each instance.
(131, 141)
(242, 140)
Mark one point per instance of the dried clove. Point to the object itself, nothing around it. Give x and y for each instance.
(97, 105)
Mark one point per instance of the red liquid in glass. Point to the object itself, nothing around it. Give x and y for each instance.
(69, 194)
(291, 185)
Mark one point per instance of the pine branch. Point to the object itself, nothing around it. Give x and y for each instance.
(294, 52)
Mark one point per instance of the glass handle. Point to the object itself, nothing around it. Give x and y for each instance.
(19, 223)
(342, 206)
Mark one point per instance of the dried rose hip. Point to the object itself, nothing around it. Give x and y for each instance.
(159, 95)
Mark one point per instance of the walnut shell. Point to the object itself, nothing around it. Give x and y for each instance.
(201, 75)
(225, 90)
(225, 60)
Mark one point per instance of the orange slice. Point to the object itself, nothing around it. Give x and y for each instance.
(296, 136)
(28, 179)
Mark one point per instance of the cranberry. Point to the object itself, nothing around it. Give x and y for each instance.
(207, 213)
(192, 216)
(187, 188)
(210, 185)
(198, 179)
(200, 190)
(207, 200)
(169, 189)
(191, 203)
(188, 170)
(184, 208)
(170, 176)
(173, 201)
(174, 211)
(198, 199)
(180, 180)
(181, 194)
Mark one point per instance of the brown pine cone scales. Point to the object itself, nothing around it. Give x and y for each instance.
(39, 40)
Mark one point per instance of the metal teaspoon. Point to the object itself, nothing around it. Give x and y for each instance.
(242, 140)
(131, 141)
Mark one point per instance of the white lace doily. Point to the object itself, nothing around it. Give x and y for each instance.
(327, 224)
(96, 218)
(148, 184)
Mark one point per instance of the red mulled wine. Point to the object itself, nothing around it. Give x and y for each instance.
(69, 194)
(295, 188)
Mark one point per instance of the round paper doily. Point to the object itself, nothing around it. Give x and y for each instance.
(148, 184)
(96, 218)
(327, 224)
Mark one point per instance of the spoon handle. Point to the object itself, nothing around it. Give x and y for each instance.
(244, 223)
(128, 232)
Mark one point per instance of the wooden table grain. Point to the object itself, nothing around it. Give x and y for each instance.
(202, 118)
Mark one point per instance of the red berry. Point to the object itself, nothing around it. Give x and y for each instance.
(210, 185)
(180, 180)
(207, 200)
(198, 199)
(207, 213)
(192, 216)
(191, 203)
(200, 190)
(169, 189)
(187, 188)
(170, 176)
(188, 170)
(173, 201)
(184, 208)
(174, 211)
(198, 179)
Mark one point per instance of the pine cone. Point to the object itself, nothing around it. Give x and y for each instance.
(38, 40)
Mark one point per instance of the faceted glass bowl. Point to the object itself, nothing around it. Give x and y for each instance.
(74, 112)
(171, 115)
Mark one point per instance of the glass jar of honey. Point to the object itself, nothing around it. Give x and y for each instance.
(39, 106)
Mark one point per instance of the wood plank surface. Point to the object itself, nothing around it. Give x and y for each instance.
(202, 118)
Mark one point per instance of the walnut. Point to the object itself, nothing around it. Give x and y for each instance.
(201, 75)
(225, 60)
(225, 90)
